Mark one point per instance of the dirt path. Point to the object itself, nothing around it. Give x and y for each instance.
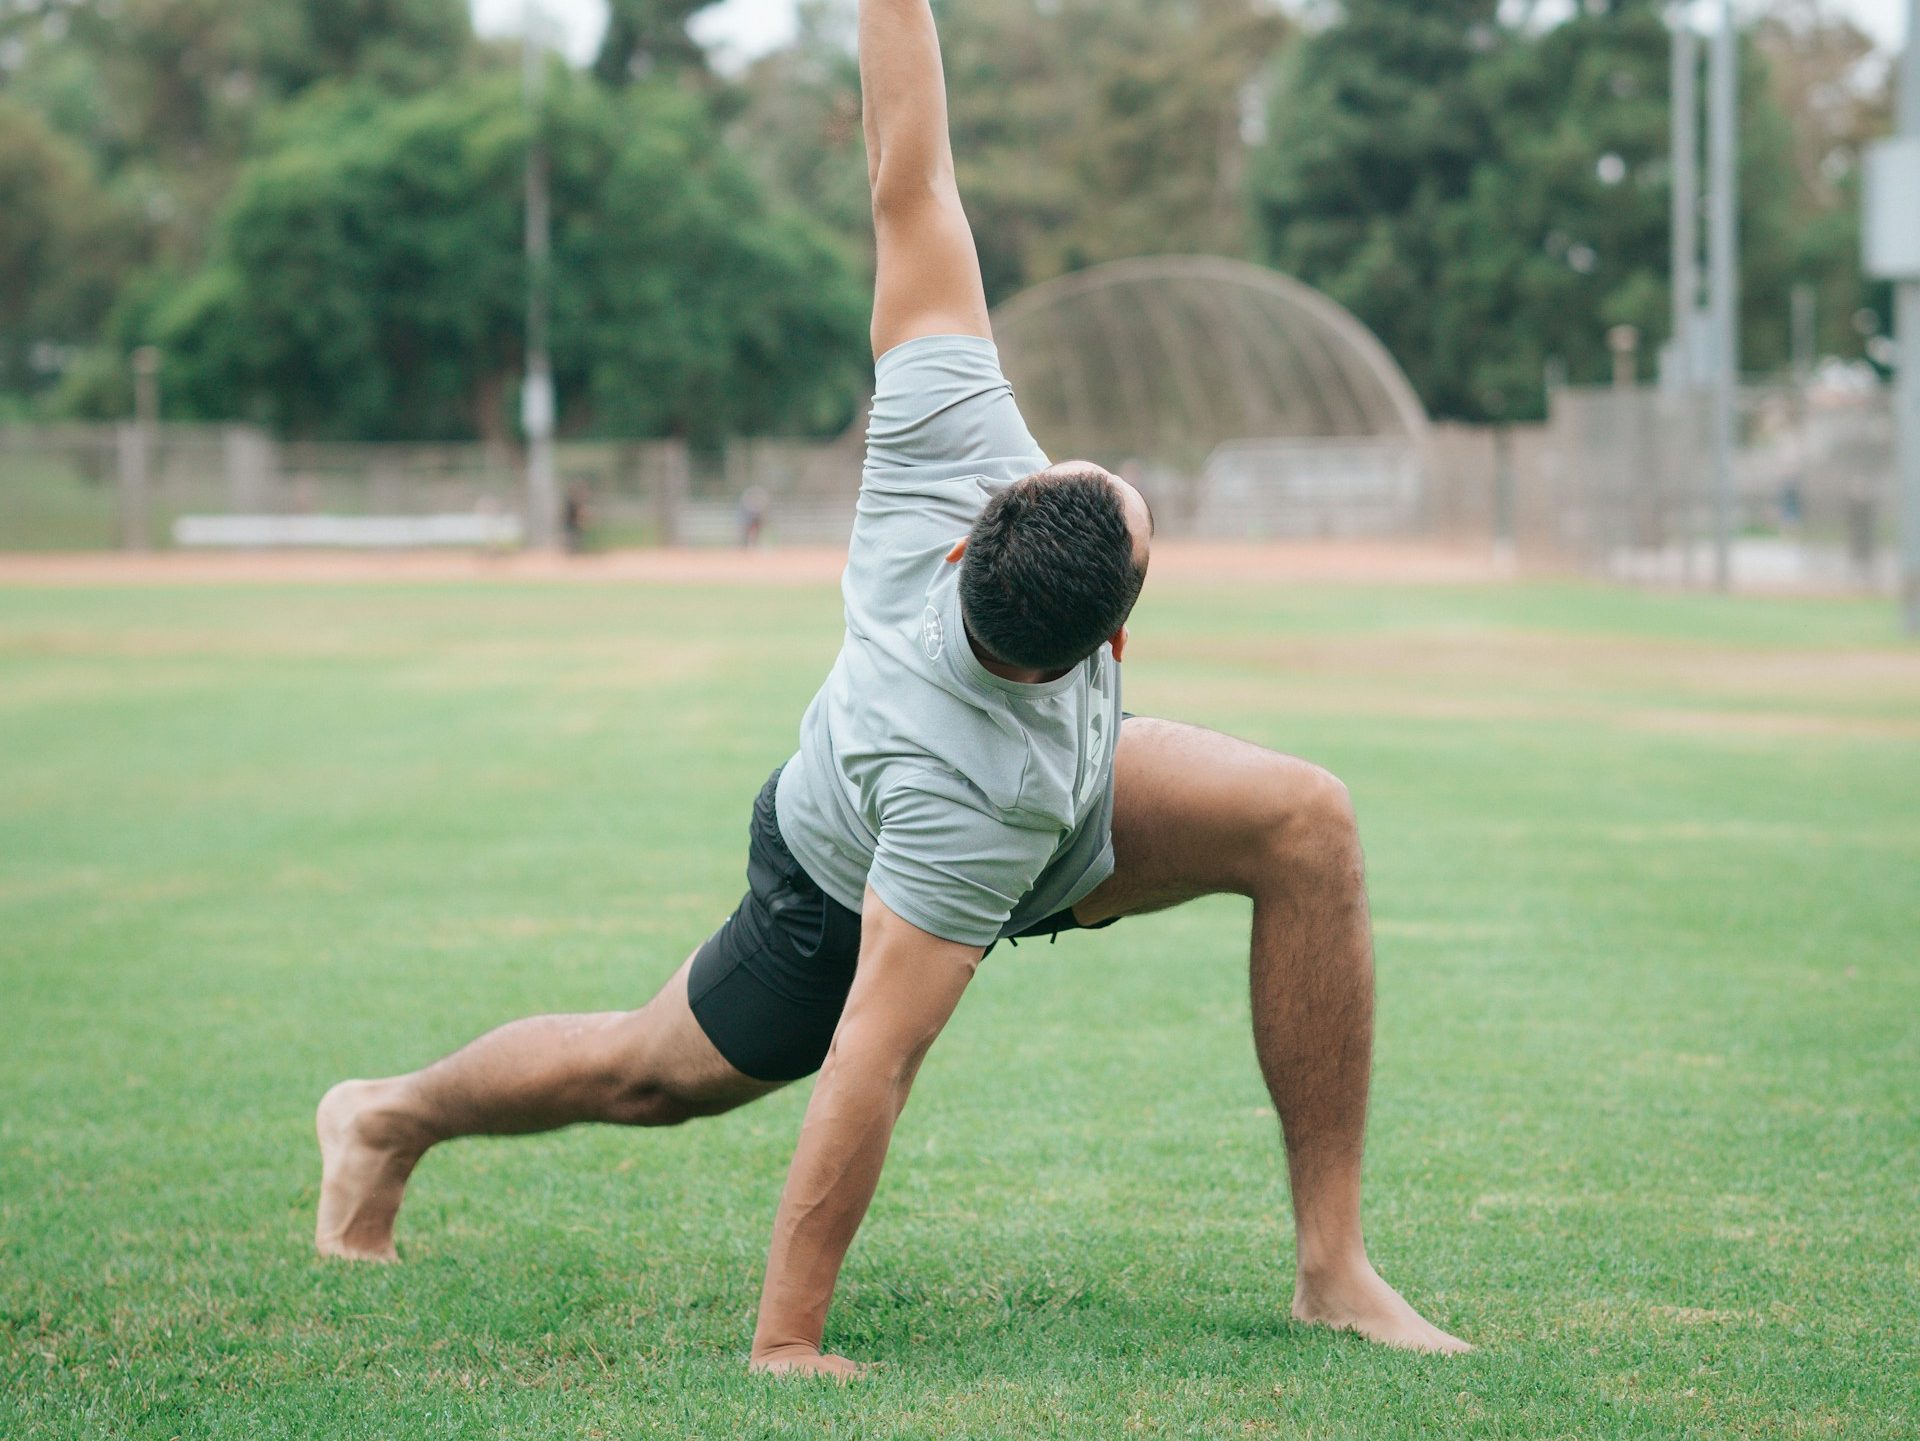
(1283, 562)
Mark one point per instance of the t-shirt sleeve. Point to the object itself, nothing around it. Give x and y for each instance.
(951, 869)
(943, 409)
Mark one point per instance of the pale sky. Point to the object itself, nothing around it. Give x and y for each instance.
(736, 30)
(740, 30)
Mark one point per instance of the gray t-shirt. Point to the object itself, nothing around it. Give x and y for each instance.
(974, 806)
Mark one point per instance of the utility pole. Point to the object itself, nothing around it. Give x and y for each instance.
(1684, 264)
(139, 447)
(536, 391)
(1802, 318)
(1892, 243)
(1681, 372)
(1802, 329)
(1624, 342)
(1906, 327)
(1723, 276)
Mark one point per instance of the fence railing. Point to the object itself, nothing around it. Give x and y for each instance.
(127, 486)
(1811, 497)
(1616, 482)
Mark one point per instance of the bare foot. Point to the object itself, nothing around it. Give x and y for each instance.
(805, 1361)
(364, 1165)
(1357, 1300)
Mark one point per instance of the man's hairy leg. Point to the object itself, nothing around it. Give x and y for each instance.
(1196, 813)
(650, 1067)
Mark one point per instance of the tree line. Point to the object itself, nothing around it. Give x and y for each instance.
(314, 208)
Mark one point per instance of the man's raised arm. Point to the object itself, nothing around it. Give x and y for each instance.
(928, 275)
(904, 989)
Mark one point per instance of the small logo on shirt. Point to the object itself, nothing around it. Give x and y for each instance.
(1094, 750)
(933, 635)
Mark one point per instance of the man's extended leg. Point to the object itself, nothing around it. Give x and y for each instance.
(650, 1067)
(1198, 813)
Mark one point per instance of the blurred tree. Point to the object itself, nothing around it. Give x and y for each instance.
(1378, 123)
(166, 97)
(400, 47)
(648, 39)
(369, 280)
(1089, 131)
(180, 85)
(1489, 197)
(1563, 230)
(797, 123)
(1083, 130)
(1835, 88)
(62, 248)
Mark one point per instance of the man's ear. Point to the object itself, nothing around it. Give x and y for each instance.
(959, 549)
(1119, 643)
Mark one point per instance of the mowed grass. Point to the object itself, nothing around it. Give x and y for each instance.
(1646, 873)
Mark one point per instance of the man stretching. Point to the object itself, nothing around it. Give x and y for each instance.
(965, 775)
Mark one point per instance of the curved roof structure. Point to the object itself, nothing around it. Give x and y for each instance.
(1165, 358)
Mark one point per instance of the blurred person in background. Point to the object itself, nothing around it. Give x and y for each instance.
(753, 516)
(575, 516)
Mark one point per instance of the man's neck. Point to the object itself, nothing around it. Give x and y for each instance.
(1021, 675)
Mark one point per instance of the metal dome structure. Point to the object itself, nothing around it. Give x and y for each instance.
(1244, 400)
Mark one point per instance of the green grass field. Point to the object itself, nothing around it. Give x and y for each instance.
(1646, 872)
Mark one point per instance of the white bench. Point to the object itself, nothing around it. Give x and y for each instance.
(353, 532)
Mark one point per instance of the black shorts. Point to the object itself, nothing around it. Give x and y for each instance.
(769, 985)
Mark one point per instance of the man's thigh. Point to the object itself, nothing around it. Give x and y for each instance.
(1194, 814)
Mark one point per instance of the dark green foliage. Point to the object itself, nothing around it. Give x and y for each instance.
(1433, 167)
(1564, 227)
(366, 273)
(1820, 65)
(648, 39)
(331, 211)
(370, 279)
(1489, 198)
(63, 245)
(165, 98)
(400, 46)
(1376, 131)
(169, 94)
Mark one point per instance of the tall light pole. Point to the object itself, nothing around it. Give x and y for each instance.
(1681, 371)
(1907, 331)
(1685, 233)
(1723, 276)
(139, 449)
(536, 391)
(1892, 244)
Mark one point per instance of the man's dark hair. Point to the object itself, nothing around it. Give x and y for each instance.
(1049, 571)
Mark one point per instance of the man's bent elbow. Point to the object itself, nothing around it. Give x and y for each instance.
(902, 191)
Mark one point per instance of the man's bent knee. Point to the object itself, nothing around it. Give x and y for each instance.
(649, 1103)
(656, 1067)
(642, 1093)
(633, 1071)
(1307, 822)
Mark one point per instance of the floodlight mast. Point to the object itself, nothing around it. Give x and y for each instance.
(1906, 330)
(536, 391)
(1680, 370)
(1723, 275)
(1685, 260)
(1890, 248)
